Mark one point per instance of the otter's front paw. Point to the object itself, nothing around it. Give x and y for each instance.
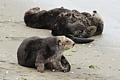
(40, 69)
(65, 70)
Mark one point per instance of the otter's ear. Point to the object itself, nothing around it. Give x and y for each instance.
(59, 42)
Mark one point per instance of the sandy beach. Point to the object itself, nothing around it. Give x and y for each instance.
(103, 53)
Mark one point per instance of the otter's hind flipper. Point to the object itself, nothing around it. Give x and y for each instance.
(80, 40)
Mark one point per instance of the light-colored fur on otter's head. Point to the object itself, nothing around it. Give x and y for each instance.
(33, 10)
(97, 20)
(96, 15)
(65, 43)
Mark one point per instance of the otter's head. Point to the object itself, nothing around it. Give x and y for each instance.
(98, 22)
(65, 43)
(33, 10)
(96, 15)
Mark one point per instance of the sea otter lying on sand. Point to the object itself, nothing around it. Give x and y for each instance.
(76, 25)
(43, 53)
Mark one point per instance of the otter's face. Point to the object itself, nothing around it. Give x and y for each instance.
(96, 16)
(33, 10)
(98, 22)
(65, 43)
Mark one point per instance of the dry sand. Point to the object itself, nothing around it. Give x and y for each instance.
(104, 52)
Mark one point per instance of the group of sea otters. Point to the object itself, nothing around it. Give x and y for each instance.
(68, 27)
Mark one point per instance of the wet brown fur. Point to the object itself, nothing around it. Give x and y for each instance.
(74, 24)
(44, 53)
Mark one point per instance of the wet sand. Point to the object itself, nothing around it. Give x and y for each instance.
(103, 53)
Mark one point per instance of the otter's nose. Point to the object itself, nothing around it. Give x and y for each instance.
(73, 44)
(94, 11)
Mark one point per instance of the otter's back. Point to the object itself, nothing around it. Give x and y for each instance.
(21, 53)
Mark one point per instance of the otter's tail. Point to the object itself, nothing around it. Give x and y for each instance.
(80, 40)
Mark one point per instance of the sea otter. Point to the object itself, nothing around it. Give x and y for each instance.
(45, 53)
(78, 26)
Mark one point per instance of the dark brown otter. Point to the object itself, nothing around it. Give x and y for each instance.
(71, 23)
(44, 53)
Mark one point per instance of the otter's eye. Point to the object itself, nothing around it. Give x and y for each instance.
(67, 41)
(59, 41)
(73, 44)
